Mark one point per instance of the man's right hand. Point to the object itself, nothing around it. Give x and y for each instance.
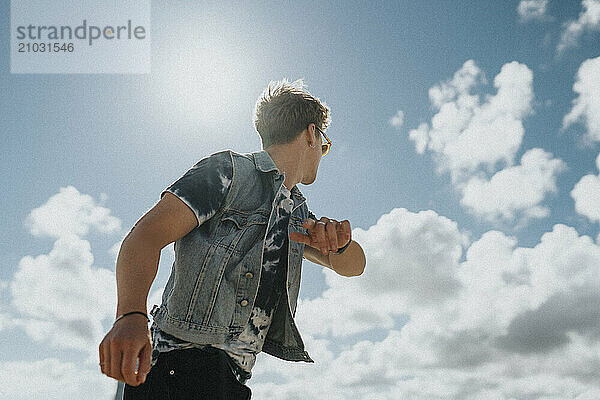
(128, 340)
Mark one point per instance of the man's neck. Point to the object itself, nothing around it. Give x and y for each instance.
(286, 160)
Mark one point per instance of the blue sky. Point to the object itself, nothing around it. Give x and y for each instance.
(477, 208)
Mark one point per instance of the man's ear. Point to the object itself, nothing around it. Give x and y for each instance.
(310, 137)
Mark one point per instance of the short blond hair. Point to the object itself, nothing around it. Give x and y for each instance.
(285, 109)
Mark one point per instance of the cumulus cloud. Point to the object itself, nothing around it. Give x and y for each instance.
(586, 194)
(397, 120)
(518, 323)
(588, 21)
(514, 189)
(476, 139)
(70, 212)
(532, 10)
(547, 327)
(411, 261)
(503, 281)
(53, 379)
(466, 134)
(586, 107)
(60, 298)
(507, 322)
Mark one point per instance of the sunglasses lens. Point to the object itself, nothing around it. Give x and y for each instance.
(325, 146)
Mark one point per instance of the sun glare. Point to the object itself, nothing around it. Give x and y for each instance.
(200, 82)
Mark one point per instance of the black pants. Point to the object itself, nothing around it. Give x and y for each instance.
(190, 374)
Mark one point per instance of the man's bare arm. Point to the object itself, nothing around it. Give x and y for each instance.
(350, 263)
(137, 265)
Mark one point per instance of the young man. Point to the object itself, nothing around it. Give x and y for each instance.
(241, 228)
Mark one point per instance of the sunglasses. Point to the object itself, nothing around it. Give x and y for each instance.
(325, 146)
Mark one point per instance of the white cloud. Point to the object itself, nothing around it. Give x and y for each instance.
(587, 105)
(53, 379)
(515, 189)
(411, 261)
(61, 299)
(588, 21)
(532, 10)
(115, 248)
(508, 322)
(420, 136)
(466, 134)
(70, 212)
(504, 282)
(472, 137)
(586, 194)
(397, 120)
(522, 323)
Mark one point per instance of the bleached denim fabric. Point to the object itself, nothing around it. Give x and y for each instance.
(214, 280)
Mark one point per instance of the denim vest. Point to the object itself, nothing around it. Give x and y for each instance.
(214, 279)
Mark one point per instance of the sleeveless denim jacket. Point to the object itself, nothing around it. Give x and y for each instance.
(214, 279)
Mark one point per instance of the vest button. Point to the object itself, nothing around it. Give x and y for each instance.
(249, 275)
(244, 303)
(171, 372)
(286, 203)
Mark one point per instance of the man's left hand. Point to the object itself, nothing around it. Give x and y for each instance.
(325, 235)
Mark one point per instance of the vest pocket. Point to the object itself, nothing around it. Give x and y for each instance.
(239, 231)
(239, 220)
